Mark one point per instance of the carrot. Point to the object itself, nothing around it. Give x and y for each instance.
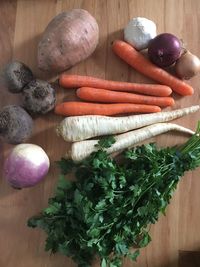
(84, 108)
(106, 96)
(76, 81)
(143, 65)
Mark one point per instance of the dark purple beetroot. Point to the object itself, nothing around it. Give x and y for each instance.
(16, 75)
(38, 97)
(15, 124)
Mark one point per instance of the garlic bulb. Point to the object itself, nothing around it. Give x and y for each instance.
(139, 32)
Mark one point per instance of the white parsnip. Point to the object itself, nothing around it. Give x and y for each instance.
(84, 127)
(81, 150)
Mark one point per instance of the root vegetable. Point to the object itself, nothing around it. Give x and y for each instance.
(107, 96)
(81, 150)
(76, 81)
(110, 205)
(84, 127)
(38, 97)
(68, 39)
(16, 75)
(84, 108)
(15, 124)
(26, 165)
(144, 66)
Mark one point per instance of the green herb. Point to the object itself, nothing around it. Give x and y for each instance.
(109, 208)
(105, 142)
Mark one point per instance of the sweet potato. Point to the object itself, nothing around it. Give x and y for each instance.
(68, 39)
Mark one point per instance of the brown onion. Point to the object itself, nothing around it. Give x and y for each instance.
(187, 66)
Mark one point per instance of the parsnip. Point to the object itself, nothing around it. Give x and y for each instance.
(81, 150)
(84, 127)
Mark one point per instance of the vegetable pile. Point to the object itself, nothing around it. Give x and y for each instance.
(106, 96)
(84, 127)
(108, 209)
(136, 60)
(110, 206)
(38, 95)
(164, 50)
(81, 150)
(76, 81)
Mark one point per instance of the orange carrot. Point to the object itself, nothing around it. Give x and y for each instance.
(106, 96)
(76, 81)
(84, 108)
(143, 65)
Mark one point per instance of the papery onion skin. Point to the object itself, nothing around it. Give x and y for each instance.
(187, 66)
(164, 49)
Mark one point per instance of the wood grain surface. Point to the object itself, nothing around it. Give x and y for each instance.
(176, 237)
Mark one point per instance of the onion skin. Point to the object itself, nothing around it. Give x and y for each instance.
(26, 166)
(187, 66)
(164, 49)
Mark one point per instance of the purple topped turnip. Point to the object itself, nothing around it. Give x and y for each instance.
(26, 166)
(15, 124)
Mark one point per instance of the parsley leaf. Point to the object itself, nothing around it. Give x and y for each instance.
(105, 142)
(108, 208)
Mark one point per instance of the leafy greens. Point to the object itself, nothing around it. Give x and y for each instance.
(107, 210)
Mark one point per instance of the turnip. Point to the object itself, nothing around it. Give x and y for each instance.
(26, 165)
(15, 124)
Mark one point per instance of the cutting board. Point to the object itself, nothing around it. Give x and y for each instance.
(176, 236)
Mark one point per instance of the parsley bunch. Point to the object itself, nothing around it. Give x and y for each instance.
(108, 209)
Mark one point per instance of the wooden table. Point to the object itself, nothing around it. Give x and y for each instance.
(176, 237)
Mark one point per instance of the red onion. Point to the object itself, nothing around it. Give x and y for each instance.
(164, 49)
